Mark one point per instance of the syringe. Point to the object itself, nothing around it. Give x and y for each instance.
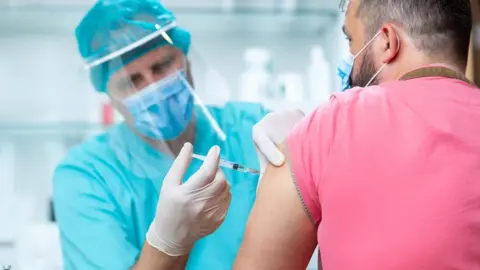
(230, 165)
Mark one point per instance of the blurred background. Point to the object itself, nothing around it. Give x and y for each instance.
(280, 52)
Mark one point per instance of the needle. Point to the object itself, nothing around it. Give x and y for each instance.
(230, 165)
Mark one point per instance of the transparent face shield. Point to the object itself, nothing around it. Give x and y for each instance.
(150, 83)
(344, 5)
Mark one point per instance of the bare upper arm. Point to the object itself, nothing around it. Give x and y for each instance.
(279, 235)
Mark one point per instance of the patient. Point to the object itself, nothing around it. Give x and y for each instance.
(387, 176)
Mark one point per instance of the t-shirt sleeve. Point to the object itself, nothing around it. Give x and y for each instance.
(308, 147)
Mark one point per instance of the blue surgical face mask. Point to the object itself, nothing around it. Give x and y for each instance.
(344, 71)
(163, 110)
(345, 67)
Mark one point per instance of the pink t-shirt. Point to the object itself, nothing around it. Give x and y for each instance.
(390, 175)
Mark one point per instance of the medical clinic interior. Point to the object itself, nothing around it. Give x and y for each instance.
(280, 53)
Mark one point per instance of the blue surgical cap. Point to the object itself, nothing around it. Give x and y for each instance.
(111, 25)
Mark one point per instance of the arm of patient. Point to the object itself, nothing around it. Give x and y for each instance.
(281, 229)
(279, 234)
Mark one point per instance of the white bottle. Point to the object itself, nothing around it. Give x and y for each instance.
(257, 82)
(216, 90)
(319, 76)
(228, 5)
(292, 85)
(7, 191)
(288, 6)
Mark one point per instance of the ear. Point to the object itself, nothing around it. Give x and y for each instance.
(391, 43)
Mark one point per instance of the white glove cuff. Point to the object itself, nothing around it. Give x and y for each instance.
(168, 247)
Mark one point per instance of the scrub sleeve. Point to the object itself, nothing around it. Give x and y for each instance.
(308, 147)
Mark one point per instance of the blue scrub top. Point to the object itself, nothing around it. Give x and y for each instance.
(106, 191)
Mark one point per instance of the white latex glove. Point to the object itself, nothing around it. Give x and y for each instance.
(189, 211)
(271, 131)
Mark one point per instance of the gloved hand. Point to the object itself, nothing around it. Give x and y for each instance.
(189, 211)
(272, 130)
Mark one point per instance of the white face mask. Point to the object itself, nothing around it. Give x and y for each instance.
(345, 68)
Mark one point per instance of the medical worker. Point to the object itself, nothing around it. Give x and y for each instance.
(119, 197)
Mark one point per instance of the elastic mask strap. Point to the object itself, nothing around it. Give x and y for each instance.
(376, 74)
(366, 45)
(384, 65)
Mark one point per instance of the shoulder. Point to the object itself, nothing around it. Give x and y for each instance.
(373, 99)
(86, 161)
(358, 95)
(239, 112)
(86, 153)
(340, 112)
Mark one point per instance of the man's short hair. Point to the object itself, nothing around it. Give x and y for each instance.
(437, 27)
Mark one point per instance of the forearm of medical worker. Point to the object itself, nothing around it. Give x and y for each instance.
(279, 234)
(186, 211)
(153, 259)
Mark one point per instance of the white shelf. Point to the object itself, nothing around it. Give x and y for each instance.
(64, 19)
(54, 129)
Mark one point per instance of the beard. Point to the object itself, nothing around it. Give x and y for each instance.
(366, 71)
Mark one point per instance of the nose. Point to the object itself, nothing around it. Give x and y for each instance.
(158, 76)
(149, 78)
